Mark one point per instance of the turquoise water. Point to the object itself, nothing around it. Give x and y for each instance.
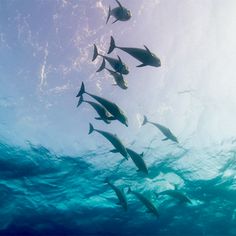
(43, 193)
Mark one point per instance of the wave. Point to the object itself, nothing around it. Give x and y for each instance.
(43, 193)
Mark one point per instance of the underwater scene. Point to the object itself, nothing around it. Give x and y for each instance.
(117, 117)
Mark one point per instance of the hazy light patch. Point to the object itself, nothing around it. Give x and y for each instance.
(7, 102)
(228, 173)
(102, 7)
(60, 89)
(139, 118)
(64, 2)
(43, 74)
(99, 85)
(3, 41)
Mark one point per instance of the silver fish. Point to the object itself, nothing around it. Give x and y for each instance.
(143, 55)
(117, 113)
(120, 194)
(146, 202)
(113, 139)
(163, 129)
(120, 13)
(102, 112)
(117, 64)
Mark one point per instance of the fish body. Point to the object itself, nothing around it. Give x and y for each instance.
(119, 79)
(146, 202)
(111, 107)
(117, 64)
(102, 112)
(175, 194)
(120, 194)
(166, 131)
(138, 160)
(120, 13)
(143, 55)
(113, 139)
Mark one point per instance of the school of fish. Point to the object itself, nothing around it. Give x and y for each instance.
(109, 111)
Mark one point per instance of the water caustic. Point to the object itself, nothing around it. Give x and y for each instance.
(158, 184)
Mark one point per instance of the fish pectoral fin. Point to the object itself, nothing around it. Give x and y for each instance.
(118, 203)
(164, 139)
(115, 21)
(114, 151)
(138, 170)
(147, 49)
(107, 122)
(141, 65)
(111, 118)
(114, 84)
(98, 118)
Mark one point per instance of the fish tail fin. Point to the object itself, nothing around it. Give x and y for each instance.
(80, 100)
(103, 65)
(109, 14)
(95, 52)
(112, 45)
(82, 90)
(129, 190)
(145, 120)
(91, 128)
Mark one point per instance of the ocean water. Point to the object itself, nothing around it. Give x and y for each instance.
(53, 174)
(43, 193)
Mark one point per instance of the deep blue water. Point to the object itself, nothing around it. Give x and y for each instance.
(46, 194)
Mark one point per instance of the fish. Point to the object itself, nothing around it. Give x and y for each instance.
(117, 64)
(120, 13)
(143, 55)
(146, 202)
(113, 139)
(176, 194)
(119, 79)
(166, 131)
(120, 194)
(111, 107)
(138, 160)
(104, 115)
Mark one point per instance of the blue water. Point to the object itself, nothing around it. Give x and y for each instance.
(43, 193)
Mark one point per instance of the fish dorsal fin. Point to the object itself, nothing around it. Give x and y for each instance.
(119, 4)
(147, 49)
(141, 154)
(120, 59)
